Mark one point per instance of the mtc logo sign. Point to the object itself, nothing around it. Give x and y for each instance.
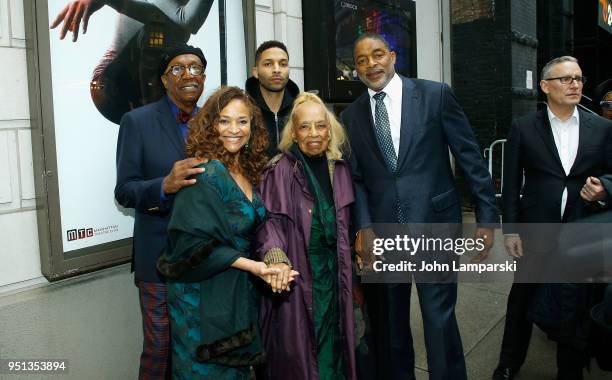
(81, 233)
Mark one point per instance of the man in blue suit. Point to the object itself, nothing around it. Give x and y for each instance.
(400, 133)
(151, 168)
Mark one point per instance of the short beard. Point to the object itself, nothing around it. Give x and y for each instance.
(367, 83)
(269, 89)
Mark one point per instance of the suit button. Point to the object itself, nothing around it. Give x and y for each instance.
(310, 211)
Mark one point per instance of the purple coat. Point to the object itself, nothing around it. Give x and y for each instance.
(286, 319)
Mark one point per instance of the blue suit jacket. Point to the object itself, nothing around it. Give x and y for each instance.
(148, 145)
(432, 122)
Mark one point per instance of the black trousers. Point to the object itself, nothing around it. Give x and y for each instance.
(517, 335)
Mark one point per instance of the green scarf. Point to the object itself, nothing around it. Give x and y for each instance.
(322, 256)
(323, 209)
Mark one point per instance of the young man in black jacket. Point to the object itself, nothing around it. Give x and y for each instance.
(272, 89)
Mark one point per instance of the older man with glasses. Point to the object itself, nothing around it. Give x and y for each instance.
(563, 154)
(151, 168)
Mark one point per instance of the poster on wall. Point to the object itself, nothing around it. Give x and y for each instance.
(89, 62)
(103, 60)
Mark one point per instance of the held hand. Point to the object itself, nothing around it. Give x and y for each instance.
(261, 270)
(488, 237)
(514, 246)
(281, 280)
(593, 190)
(72, 14)
(176, 179)
(364, 247)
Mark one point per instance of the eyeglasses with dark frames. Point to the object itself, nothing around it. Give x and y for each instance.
(178, 70)
(568, 80)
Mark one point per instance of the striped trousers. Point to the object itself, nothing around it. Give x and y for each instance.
(155, 357)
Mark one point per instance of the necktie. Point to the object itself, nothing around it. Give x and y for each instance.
(383, 132)
(382, 129)
(182, 117)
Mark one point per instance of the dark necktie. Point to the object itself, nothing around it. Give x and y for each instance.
(383, 132)
(182, 117)
(382, 128)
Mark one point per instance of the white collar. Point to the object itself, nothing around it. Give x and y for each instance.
(392, 89)
(552, 116)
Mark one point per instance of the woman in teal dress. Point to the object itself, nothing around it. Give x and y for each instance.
(211, 300)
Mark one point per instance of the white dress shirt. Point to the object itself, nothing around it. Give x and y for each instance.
(566, 138)
(393, 103)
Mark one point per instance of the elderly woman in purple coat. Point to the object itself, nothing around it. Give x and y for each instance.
(308, 329)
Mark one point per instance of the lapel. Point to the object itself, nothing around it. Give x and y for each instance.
(341, 185)
(410, 103)
(299, 173)
(365, 113)
(584, 126)
(545, 131)
(167, 124)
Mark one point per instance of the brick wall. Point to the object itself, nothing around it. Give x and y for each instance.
(491, 54)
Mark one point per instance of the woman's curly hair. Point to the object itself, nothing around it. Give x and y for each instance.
(203, 138)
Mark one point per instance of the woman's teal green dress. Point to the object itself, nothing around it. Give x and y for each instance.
(184, 301)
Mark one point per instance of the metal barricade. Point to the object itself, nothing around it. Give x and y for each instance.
(490, 154)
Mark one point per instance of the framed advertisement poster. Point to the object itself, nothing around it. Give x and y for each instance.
(89, 62)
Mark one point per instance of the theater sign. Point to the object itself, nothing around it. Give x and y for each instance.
(605, 15)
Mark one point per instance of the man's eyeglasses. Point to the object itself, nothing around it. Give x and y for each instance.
(606, 104)
(568, 80)
(178, 70)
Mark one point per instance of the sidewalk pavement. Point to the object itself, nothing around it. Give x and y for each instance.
(481, 310)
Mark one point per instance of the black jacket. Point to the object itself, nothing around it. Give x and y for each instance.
(561, 310)
(531, 149)
(274, 122)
